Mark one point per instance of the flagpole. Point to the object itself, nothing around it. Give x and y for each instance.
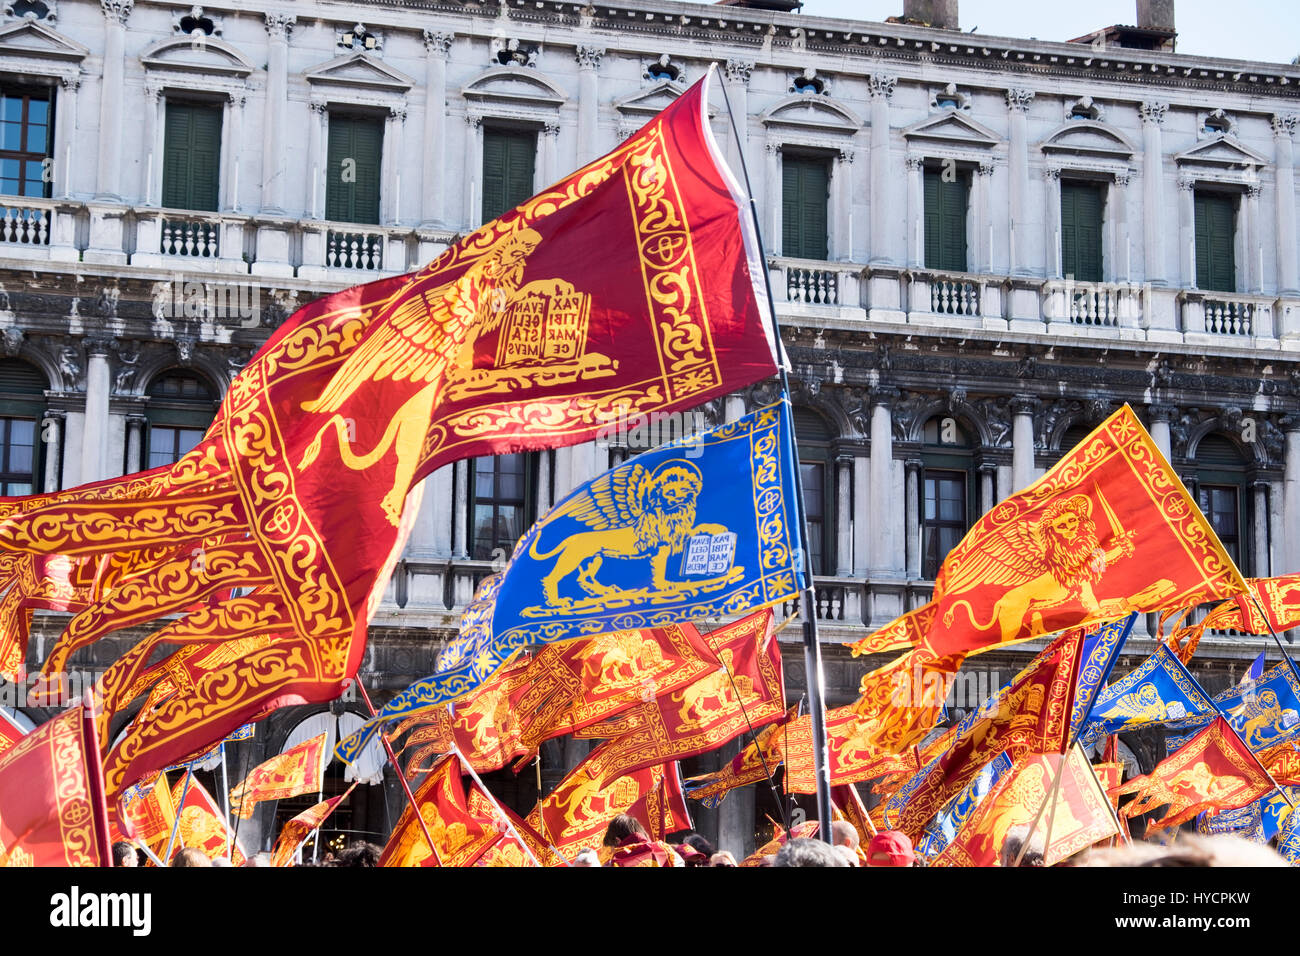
(401, 777)
(95, 780)
(811, 647)
(176, 820)
(225, 800)
(496, 806)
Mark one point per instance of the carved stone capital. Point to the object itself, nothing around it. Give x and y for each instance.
(117, 10)
(1019, 100)
(99, 343)
(1023, 405)
(1284, 124)
(1162, 413)
(1153, 111)
(71, 83)
(914, 162)
(881, 85)
(739, 71)
(317, 106)
(280, 25)
(885, 395)
(437, 43)
(589, 57)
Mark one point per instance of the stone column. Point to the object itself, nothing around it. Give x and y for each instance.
(588, 64)
(543, 502)
(278, 27)
(460, 514)
(549, 145)
(883, 217)
(1254, 248)
(737, 73)
(135, 443)
(1153, 246)
(844, 516)
(52, 438)
(912, 547)
(1018, 167)
(439, 493)
(391, 164)
(988, 473)
(1161, 416)
(111, 98)
(67, 133)
(473, 172)
(1187, 231)
(151, 172)
(1022, 441)
(437, 45)
(733, 408)
(1052, 219)
(862, 515)
(316, 158)
(1260, 536)
(234, 114)
(915, 238)
(1291, 490)
(1121, 259)
(774, 192)
(882, 461)
(841, 209)
(982, 213)
(94, 435)
(1284, 127)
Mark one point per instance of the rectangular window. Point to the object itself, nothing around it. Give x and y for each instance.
(805, 190)
(509, 158)
(17, 456)
(168, 444)
(946, 199)
(1222, 504)
(1216, 240)
(26, 141)
(356, 145)
(943, 518)
(500, 505)
(191, 173)
(1081, 206)
(814, 503)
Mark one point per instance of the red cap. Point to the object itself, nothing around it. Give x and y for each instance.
(890, 848)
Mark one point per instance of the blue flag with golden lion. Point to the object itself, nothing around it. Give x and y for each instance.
(701, 527)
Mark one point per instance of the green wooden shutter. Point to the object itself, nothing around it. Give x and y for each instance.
(1081, 231)
(805, 189)
(356, 145)
(945, 221)
(191, 156)
(1216, 265)
(509, 157)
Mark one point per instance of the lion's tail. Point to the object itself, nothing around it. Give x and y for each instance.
(950, 615)
(533, 553)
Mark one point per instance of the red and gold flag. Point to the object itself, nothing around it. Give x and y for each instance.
(663, 810)
(757, 761)
(1283, 763)
(805, 830)
(627, 288)
(1080, 818)
(849, 806)
(151, 813)
(852, 744)
(745, 690)
(458, 832)
(46, 812)
(578, 811)
(901, 702)
(1279, 598)
(1108, 530)
(1213, 771)
(1032, 717)
(298, 770)
(10, 732)
(296, 829)
(202, 825)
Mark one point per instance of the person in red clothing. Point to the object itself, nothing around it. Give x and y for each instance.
(633, 846)
(890, 848)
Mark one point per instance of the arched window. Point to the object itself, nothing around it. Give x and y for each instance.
(947, 490)
(22, 402)
(182, 405)
(815, 435)
(1221, 482)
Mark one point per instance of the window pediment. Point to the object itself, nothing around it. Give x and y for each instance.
(31, 47)
(1221, 153)
(820, 113)
(359, 71)
(952, 129)
(1087, 138)
(208, 56)
(510, 86)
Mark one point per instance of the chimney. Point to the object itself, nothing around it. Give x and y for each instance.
(942, 14)
(1155, 15)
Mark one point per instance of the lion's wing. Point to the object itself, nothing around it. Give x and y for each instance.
(614, 500)
(1011, 558)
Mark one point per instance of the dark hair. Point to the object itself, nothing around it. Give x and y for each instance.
(123, 851)
(360, 854)
(622, 827)
(807, 852)
(700, 843)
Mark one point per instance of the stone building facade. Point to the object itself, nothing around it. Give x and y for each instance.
(979, 247)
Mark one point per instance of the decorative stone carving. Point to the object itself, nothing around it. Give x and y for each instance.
(881, 85)
(438, 43)
(1019, 100)
(117, 10)
(589, 57)
(12, 341)
(1153, 111)
(185, 350)
(70, 365)
(739, 71)
(1284, 124)
(280, 25)
(996, 413)
(128, 365)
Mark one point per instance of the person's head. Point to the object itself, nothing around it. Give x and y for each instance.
(844, 833)
(586, 857)
(361, 854)
(622, 827)
(124, 855)
(220, 861)
(722, 858)
(191, 856)
(697, 842)
(803, 851)
(1011, 848)
(890, 848)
